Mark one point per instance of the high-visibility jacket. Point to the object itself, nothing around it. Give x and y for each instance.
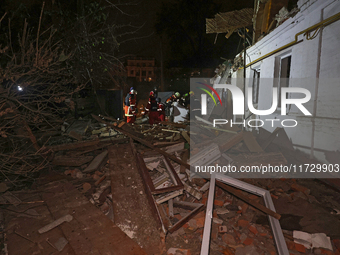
(130, 108)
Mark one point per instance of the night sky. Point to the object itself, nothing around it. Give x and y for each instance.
(146, 13)
(142, 16)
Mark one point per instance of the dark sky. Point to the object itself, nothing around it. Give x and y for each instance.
(142, 15)
(145, 13)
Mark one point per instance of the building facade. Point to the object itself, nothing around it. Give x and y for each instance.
(301, 52)
(143, 69)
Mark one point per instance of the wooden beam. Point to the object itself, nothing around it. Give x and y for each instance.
(142, 141)
(185, 219)
(251, 142)
(231, 142)
(271, 138)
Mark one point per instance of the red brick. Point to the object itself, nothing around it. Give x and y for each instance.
(298, 187)
(218, 203)
(300, 248)
(263, 234)
(243, 223)
(200, 215)
(290, 245)
(200, 222)
(327, 252)
(214, 231)
(248, 241)
(253, 230)
(204, 200)
(244, 207)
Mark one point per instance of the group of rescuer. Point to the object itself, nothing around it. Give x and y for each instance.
(155, 108)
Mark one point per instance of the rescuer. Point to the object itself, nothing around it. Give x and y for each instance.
(169, 104)
(160, 109)
(151, 108)
(130, 106)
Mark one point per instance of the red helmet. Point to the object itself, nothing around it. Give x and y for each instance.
(152, 94)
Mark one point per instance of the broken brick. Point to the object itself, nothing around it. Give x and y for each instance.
(253, 230)
(297, 187)
(243, 223)
(290, 245)
(218, 203)
(214, 231)
(244, 208)
(248, 241)
(327, 252)
(300, 248)
(200, 222)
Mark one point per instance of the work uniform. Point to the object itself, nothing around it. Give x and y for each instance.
(152, 110)
(161, 112)
(130, 108)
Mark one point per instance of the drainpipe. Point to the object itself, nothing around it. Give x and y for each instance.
(316, 88)
(244, 73)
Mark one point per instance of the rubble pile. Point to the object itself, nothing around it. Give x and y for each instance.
(139, 177)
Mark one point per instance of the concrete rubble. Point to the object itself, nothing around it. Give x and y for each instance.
(138, 178)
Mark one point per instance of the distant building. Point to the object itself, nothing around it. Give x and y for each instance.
(143, 69)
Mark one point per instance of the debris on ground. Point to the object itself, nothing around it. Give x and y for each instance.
(136, 179)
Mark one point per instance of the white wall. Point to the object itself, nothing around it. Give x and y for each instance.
(319, 57)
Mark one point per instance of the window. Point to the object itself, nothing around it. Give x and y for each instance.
(282, 73)
(150, 72)
(143, 73)
(256, 85)
(131, 72)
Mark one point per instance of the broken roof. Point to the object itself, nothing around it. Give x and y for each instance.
(228, 22)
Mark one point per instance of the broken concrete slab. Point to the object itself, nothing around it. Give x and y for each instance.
(96, 162)
(66, 218)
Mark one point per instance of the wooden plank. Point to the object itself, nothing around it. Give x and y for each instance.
(168, 196)
(90, 231)
(171, 207)
(270, 138)
(173, 148)
(251, 142)
(64, 160)
(72, 146)
(196, 194)
(185, 219)
(231, 142)
(185, 158)
(142, 141)
(187, 138)
(96, 162)
(239, 194)
(173, 124)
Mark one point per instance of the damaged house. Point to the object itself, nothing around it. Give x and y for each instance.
(292, 47)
